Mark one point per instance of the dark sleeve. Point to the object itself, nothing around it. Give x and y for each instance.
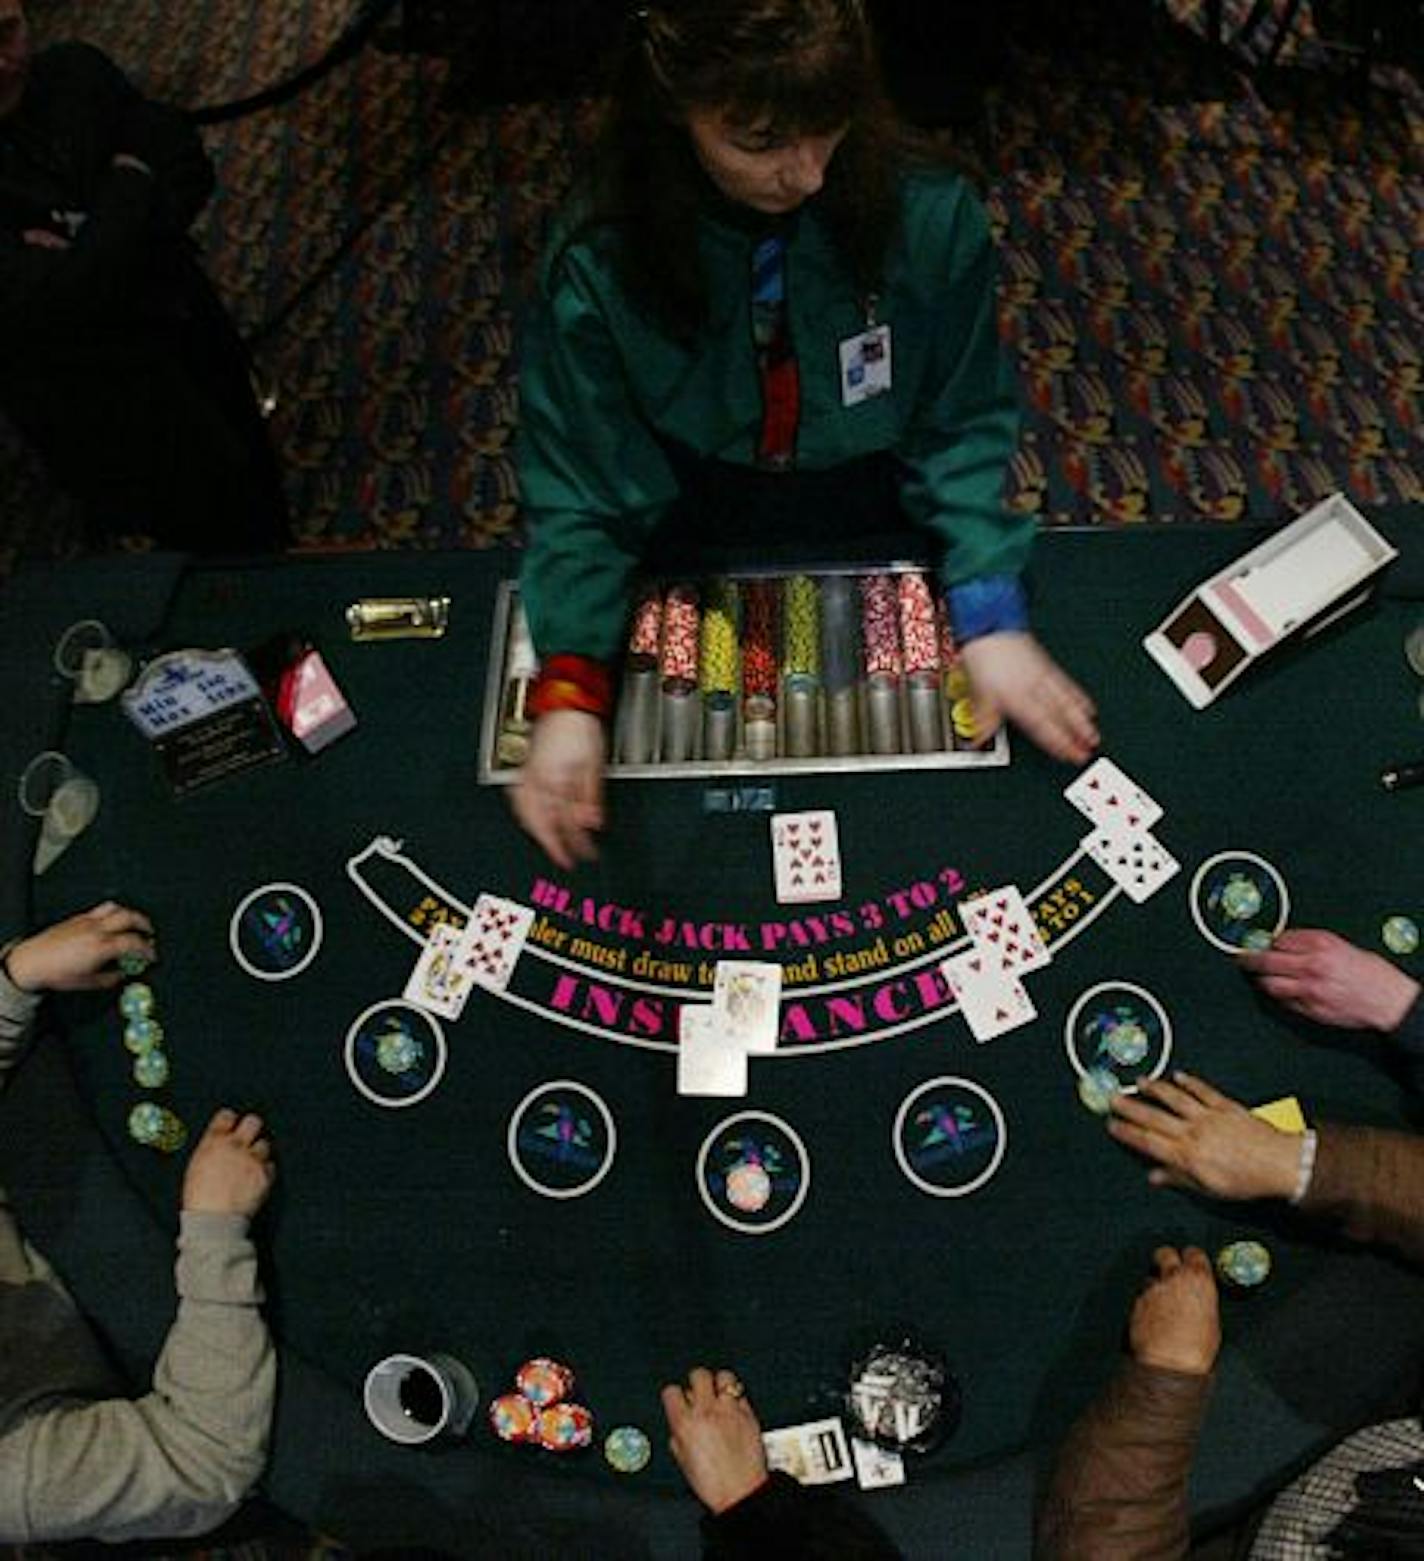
(95, 278)
(1119, 1487)
(1409, 1035)
(790, 1522)
(1371, 1181)
(160, 136)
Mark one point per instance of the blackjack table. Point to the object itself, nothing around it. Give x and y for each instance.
(540, 1187)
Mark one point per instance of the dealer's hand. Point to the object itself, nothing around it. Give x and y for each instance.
(231, 1170)
(1176, 1321)
(1324, 978)
(558, 797)
(716, 1437)
(1012, 677)
(1204, 1141)
(78, 955)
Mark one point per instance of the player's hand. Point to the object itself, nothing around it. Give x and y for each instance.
(715, 1438)
(558, 797)
(1204, 1141)
(1326, 979)
(1012, 677)
(1176, 1321)
(42, 238)
(78, 955)
(231, 1170)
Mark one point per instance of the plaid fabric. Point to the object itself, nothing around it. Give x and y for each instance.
(780, 381)
(1365, 1497)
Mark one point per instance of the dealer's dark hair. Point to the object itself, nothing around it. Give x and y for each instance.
(791, 66)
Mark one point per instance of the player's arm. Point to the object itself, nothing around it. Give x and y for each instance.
(1118, 1491)
(76, 954)
(1330, 981)
(179, 1460)
(1371, 1181)
(955, 455)
(751, 1513)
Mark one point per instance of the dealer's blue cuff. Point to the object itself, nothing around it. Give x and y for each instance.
(992, 604)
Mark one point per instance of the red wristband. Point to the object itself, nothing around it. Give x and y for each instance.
(572, 683)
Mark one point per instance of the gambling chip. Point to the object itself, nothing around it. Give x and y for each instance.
(156, 1127)
(1400, 935)
(398, 1051)
(901, 1396)
(1240, 898)
(150, 1069)
(1127, 1043)
(627, 1449)
(136, 1000)
(543, 1381)
(143, 1035)
(748, 1188)
(512, 1418)
(133, 962)
(562, 1428)
(1096, 1089)
(1244, 1264)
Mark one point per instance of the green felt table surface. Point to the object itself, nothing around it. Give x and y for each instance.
(408, 1229)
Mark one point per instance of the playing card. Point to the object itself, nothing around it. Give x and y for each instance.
(876, 1466)
(991, 1000)
(1112, 800)
(494, 939)
(806, 856)
(746, 997)
(709, 1061)
(817, 1453)
(1139, 864)
(440, 983)
(1002, 923)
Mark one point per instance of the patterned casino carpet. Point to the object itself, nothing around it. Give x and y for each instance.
(1209, 279)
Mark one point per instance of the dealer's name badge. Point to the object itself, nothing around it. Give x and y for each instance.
(865, 365)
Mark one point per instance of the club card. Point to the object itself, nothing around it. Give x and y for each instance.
(1001, 923)
(1139, 864)
(817, 1453)
(991, 1000)
(440, 983)
(876, 1466)
(709, 1061)
(806, 857)
(746, 997)
(494, 939)
(1113, 800)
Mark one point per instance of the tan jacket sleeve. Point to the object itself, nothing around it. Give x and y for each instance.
(1119, 1488)
(179, 1460)
(1371, 1181)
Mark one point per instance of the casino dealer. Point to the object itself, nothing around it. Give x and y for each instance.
(766, 320)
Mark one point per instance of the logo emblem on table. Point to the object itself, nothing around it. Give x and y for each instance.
(561, 1140)
(276, 931)
(949, 1137)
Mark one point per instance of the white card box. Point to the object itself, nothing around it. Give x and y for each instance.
(1290, 586)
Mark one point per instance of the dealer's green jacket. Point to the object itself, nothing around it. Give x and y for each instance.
(602, 386)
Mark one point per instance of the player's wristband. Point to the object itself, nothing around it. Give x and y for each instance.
(572, 683)
(992, 604)
(1306, 1173)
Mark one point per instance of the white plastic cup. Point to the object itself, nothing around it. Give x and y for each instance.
(413, 1398)
(87, 655)
(54, 789)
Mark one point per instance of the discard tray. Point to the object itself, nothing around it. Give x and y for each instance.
(1292, 585)
(764, 673)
